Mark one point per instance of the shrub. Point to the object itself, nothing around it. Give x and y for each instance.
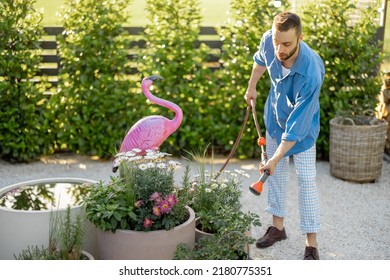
(173, 52)
(93, 92)
(351, 55)
(240, 37)
(25, 129)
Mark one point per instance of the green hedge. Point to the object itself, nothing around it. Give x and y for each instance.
(352, 57)
(92, 103)
(25, 120)
(241, 37)
(97, 102)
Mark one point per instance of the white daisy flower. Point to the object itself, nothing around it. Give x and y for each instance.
(143, 166)
(173, 163)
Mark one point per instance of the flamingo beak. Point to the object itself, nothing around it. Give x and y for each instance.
(155, 77)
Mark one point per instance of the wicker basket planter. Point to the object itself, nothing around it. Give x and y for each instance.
(357, 148)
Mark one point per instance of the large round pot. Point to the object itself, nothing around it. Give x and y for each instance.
(140, 245)
(22, 228)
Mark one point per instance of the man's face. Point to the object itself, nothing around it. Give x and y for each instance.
(285, 43)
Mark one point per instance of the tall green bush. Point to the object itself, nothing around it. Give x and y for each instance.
(352, 56)
(94, 103)
(25, 130)
(173, 52)
(240, 35)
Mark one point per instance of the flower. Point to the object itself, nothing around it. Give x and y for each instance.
(138, 203)
(147, 223)
(165, 207)
(156, 211)
(156, 196)
(212, 197)
(143, 197)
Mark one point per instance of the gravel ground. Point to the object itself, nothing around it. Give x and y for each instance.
(355, 217)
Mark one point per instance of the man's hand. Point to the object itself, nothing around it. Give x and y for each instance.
(283, 148)
(270, 165)
(250, 94)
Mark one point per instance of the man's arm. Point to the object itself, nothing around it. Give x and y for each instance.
(257, 72)
(283, 148)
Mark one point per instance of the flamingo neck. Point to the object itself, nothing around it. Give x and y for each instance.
(176, 121)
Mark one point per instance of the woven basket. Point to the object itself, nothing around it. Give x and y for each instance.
(357, 148)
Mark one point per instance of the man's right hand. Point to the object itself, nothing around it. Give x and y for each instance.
(250, 94)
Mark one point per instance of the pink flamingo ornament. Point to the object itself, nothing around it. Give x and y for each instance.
(150, 132)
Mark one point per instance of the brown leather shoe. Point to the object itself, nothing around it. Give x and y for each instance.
(311, 253)
(271, 236)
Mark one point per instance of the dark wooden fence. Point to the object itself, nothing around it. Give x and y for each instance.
(51, 60)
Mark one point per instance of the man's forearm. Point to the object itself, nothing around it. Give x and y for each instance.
(257, 72)
(283, 148)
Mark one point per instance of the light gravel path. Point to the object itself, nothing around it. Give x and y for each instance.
(355, 217)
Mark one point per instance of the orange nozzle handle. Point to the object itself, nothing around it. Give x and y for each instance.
(257, 187)
(261, 141)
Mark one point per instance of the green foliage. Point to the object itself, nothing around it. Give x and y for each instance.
(216, 202)
(37, 253)
(142, 198)
(25, 129)
(240, 36)
(110, 206)
(172, 52)
(93, 92)
(65, 239)
(351, 55)
(216, 247)
(95, 103)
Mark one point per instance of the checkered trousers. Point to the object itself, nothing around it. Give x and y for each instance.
(305, 167)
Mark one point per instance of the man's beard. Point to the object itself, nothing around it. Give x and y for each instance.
(290, 54)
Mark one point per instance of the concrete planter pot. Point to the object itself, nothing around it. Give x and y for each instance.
(140, 245)
(22, 228)
(202, 234)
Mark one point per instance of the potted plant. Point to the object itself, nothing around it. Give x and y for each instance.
(140, 214)
(218, 210)
(216, 247)
(65, 240)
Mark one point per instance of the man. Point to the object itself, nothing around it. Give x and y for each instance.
(291, 117)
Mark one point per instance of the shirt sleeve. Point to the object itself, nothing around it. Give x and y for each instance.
(259, 56)
(302, 118)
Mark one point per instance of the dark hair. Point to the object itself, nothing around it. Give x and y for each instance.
(286, 20)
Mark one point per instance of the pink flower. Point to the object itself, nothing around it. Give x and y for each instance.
(148, 223)
(138, 203)
(156, 197)
(165, 207)
(171, 198)
(156, 211)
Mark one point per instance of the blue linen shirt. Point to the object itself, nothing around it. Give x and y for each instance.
(292, 109)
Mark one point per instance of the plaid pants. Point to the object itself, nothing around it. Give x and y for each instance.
(305, 166)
